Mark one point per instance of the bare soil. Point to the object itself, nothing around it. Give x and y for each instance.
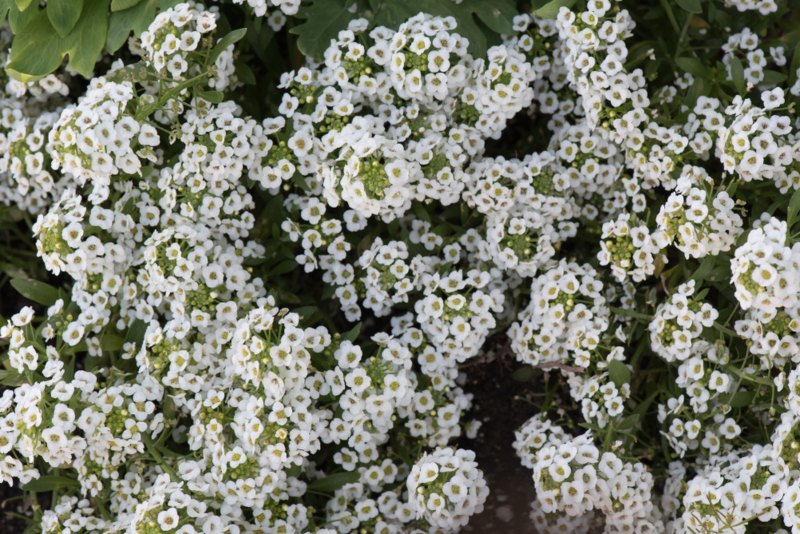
(502, 406)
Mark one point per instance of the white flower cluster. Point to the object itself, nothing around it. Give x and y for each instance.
(677, 327)
(699, 418)
(596, 51)
(629, 248)
(734, 488)
(765, 270)
(744, 47)
(565, 320)
(185, 387)
(447, 488)
(276, 18)
(698, 223)
(574, 477)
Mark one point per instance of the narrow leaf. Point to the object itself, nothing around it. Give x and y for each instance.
(690, 6)
(331, 483)
(35, 290)
(50, 483)
(231, 38)
(737, 75)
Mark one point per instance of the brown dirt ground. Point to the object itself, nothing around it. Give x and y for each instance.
(500, 404)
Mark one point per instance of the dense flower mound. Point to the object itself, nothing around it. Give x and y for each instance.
(269, 298)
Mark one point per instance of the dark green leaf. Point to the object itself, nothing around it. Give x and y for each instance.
(551, 8)
(35, 290)
(50, 483)
(136, 332)
(11, 378)
(498, 15)
(693, 66)
(134, 20)
(245, 73)
(639, 52)
(523, 374)
(331, 483)
(64, 14)
(773, 78)
(111, 342)
(795, 64)
(231, 38)
(628, 423)
(352, 334)
(619, 373)
(325, 19)
(306, 311)
(737, 75)
(286, 266)
(793, 210)
(742, 398)
(690, 6)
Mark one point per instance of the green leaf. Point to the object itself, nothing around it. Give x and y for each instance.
(22, 5)
(231, 38)
(325, 19)
(628, 423)
(11, 378)
(737, 75)
(64, 14)
(639, 52)
(523, 374)
(793, 209)
(18, 18)
(88, 37)
(773, 78)
(550, 9)
(286, 266)
(215, 97)
(36, 50)
(619, 373)
(134, 20)
(136, 332)
(352, 334)
(690, 6)
(693, 66)
(5, 5)
(110, 342)
(120, 5)
(473, 17)
(742, 398)
(331, 483)
(795, 64)
(50, 483)
(306, 311)
(35, 290)
(498, 15)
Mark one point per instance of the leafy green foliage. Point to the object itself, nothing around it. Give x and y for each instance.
(480, 21)
(36, 291)
(78, 29)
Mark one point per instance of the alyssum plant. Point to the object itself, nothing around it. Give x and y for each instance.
(628, 225)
